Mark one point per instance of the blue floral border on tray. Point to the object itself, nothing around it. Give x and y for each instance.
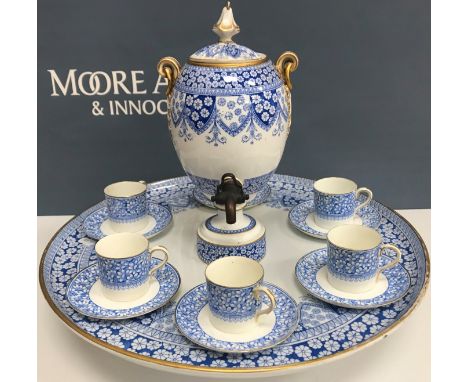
(323, 330)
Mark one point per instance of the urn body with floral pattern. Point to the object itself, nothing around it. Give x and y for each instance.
(229, 111)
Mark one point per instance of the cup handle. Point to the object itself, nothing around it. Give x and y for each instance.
(392, 263)
(259, 290)
(364, 190)
(163, 262)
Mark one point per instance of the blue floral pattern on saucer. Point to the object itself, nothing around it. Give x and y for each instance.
(324, 331)
(161, 215)
(79, 288)
(306, 273)
(190, 305)
(369, 215)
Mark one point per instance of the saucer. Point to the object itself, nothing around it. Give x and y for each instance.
(84, 294)
(192, 317)
(97, 225)
(311, 272)
(260, 197)
(301, 216)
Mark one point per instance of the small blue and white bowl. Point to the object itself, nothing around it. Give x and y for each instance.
(336, 201)
(217, 239)
(126, 206)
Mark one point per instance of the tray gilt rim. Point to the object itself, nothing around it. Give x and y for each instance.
(96, 341)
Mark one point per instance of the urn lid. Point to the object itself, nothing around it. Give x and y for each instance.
(226, 52)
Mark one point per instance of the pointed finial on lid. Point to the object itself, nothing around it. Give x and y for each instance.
(226, 26)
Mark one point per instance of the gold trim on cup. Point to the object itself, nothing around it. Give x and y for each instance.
(336, 193)
(236, 287)
(355, 250)
(130, 196)
(127, 257)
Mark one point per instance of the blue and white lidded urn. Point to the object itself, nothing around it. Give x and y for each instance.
(229, 111)
(230, 232)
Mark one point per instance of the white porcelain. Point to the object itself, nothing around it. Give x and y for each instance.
(234, 286)
(99, 295)
(353, 258)
(336, 201)
(375, 289)
(144, 225)
(124, 265)
(229, 111)
(127, 206)
(133, 227)
(311, 221)
(250, 331)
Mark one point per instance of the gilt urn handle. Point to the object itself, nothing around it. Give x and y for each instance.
(169, 68)
(285, 65)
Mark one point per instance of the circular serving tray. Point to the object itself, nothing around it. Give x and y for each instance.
(324, 332)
